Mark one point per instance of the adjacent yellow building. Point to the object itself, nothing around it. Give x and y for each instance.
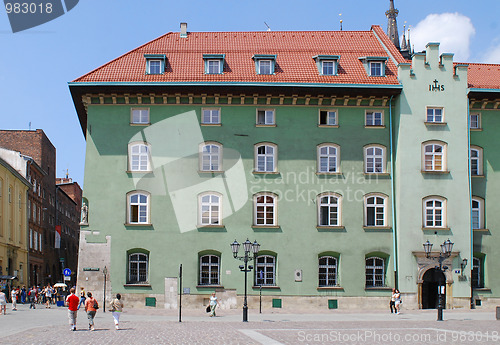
(13, 226)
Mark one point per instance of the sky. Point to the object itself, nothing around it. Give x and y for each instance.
(36, 64)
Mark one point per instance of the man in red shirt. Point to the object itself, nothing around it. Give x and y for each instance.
(72, 302)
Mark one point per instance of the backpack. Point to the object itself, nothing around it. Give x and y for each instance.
(96, 305)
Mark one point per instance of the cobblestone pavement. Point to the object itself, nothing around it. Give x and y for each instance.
(50, 326)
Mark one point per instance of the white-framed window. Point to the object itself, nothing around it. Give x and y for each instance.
(328, 118)
(374, 118)
(435, 115)
(375, 159)
(327, 271)
(329, 209)
(434, 156)
(477, 213)
(211, 156)
(265, 270)
(475, 121)
(375, 272)
(210, 116)
(266, 157)
(434, 212)
(375, 210)
(139, 116)
(210, 209)
(209, 270)
(328, 158)
(138, 207)
(154, 66)
(137, 268)
(265, 67)
(139, 157)
(213, 66)
(265, 209)
(476, 161)
(266, 117)
(376, 68)
(477, 273)
(328, 67)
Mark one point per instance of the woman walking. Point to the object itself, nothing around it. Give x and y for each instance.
(116, 309)
(398, 301)
(3, 303)
(213, 304)
(90, 308)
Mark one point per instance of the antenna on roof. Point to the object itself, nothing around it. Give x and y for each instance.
(29, 126)
(268, 27)
(340, 16)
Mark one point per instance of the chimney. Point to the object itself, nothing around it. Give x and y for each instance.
(184, 27)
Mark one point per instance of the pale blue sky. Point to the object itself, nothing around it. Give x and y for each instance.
(36, 64)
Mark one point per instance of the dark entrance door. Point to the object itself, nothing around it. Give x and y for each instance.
(432, 279)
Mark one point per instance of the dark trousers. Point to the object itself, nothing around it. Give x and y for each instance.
(392, 305)
(32, 302)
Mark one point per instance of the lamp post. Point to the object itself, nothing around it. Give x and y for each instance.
(445, 253)
(104, 272)
(248, 247)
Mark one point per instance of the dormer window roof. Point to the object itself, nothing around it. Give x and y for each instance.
(374, 65)
(264, 63)
(214, 63)
(327, 64)
(155, 63)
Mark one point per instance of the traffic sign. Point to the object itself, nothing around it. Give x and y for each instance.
(67, 278)
(67, 272)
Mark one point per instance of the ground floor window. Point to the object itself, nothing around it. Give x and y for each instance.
(327, 271)
(375, 272)
(137, 268)
(265, 270)
(209, 270)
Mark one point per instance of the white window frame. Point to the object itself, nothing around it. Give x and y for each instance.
(266, 158)
(210, 209)
(477, 211)
(429, 158)
(139, 116)
(267, 63)
(207, 154)
(330, 274)
(431, 118)
(333, 67)
(142, 207)
(371, 67)
(263, 208)
(330, 208)
(331, 117)
(373, 267)
(373, 121)
(210, 280)
(434, 213)
(376, 160)
(332, 159)
(210, 67)
(142, 258)
(268, 115)
(268, 268)
(210, 116)
(379, 210)
(150, 67)
(139, 161)
(477, 121)
(478, 160)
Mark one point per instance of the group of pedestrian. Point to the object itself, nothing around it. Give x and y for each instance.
(395, 303)
(91, 306)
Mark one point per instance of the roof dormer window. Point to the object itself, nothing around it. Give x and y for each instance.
(374, 65)
(155, 63)
(214, 63)
(264, 64)
(327, 64)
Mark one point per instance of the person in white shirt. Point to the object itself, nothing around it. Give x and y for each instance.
(13, 295)
(3, 303)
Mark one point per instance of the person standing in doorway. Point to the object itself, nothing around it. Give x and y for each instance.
(213, 304)
(90, 308)
(116, 309)
(72, 303)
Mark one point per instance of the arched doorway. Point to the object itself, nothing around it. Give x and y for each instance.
(431, 280)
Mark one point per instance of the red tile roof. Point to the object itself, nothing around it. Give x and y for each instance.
(483, 76)
(294, 51)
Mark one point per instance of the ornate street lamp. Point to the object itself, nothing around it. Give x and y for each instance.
(248, 247)
(446, 249)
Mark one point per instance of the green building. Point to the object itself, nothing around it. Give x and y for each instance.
(334, 150)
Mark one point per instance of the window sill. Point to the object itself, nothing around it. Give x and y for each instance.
(481, 230)
(210, 171)
(210, 286)
(367, 174)
(435, 229)
(439, 172)
(476, 129)
(377, 126)
(141, 124)
(477, 176)
(259, 125)
(328, 126)
(211, 228)
(271, 228)
(265, 172)
(137, 285)
(321, 173)
(138, 224)
(139, 171)
(375, 288)
(377, 228)
(274, 287)
(340, 288)
(481, 289)
(435, 123)
(326, 228)
(211, 124)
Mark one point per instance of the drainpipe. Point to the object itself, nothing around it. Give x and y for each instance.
(471, 260)
(394, 255)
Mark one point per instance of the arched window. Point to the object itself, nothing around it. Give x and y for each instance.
(265, 270)
(211, 156)
(375, 210)
(210, 209)
(375, 272)
(265, 157)
(137, 268)
(434, 212)
(138, 207)
(329, 207)
(375, 159)
(265, 209)
(328, 158)
(477, 214)
(434, 156)
(476, 161)
(209, 270)
(139, 157)
(327, 271)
